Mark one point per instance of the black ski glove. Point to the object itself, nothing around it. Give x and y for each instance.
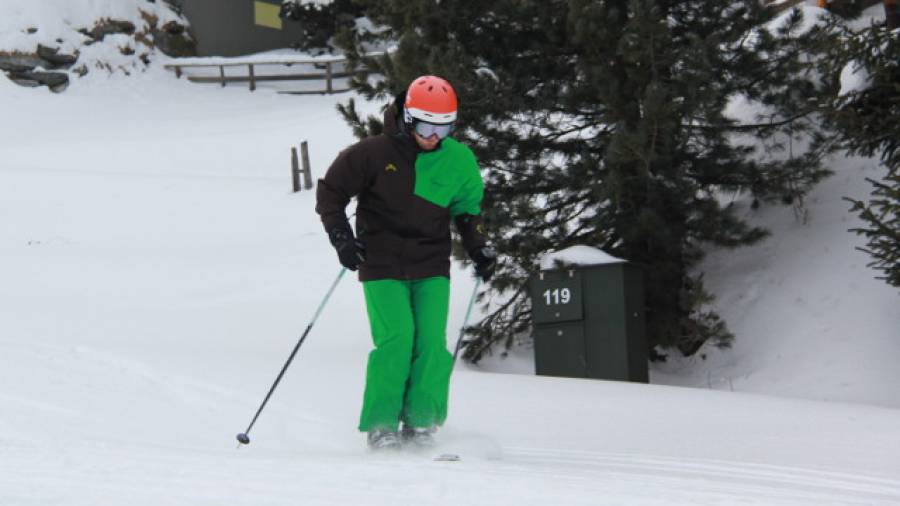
(351, 251)
(485, 260)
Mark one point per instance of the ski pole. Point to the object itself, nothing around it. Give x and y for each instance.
(243, 437)
(462, 330)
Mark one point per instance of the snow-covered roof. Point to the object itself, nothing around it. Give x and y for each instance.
(577, 255)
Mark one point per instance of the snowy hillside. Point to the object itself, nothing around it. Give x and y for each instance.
(60, 22)
(157, 271)
(810, 319)
(52, 42)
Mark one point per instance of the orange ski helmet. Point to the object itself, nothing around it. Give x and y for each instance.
(430, 99)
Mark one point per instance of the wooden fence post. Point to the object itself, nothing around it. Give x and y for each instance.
(328, 78)
(252, 78)
(222, 74)
(307, 171)
(295, 170)
(891, 14)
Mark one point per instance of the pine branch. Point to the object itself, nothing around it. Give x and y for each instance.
(752, 127)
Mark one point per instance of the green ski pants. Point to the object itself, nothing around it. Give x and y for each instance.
(408, 375)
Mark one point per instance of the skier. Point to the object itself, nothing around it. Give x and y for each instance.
(410, 182)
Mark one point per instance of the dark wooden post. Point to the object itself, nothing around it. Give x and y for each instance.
(252, 78)
(295, 170)
(178, 71)
(307, 171)
(328, 88)
(222, 74)
(892, 14)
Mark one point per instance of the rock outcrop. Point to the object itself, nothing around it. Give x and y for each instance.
(32, 69)
(47, 66)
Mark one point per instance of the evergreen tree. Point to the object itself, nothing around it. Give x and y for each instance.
(604, 123)
(882, 230)
(319, 21)
(866, 120)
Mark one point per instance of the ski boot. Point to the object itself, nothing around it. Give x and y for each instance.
(420, 437)
(383, 439)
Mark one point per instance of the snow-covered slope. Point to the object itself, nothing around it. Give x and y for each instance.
(156, 272)
(67, 26)
(810, 319)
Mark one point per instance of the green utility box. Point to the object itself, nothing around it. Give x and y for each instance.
(589, 322)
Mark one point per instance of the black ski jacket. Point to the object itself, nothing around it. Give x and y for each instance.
(406, 198)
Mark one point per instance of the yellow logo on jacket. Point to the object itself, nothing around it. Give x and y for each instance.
(390, 168)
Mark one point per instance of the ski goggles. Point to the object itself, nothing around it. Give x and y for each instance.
(426, 129)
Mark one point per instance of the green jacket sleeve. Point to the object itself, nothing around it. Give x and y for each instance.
(466, 209)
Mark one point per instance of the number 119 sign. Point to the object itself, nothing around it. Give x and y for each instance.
(556, 296)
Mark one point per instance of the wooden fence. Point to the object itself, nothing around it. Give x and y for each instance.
(328, 65)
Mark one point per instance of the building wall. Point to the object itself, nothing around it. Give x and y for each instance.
(238, 27)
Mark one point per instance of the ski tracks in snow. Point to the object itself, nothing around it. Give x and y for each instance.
(527, 475)
(656, 479)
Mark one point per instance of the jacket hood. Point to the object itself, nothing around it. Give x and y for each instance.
(393, 124)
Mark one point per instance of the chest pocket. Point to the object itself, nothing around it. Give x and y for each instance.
(436, 181)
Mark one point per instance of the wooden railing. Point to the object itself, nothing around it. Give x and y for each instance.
(252, 78)
(328, 65)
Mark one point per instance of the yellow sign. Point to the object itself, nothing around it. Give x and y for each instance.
(266, 14)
